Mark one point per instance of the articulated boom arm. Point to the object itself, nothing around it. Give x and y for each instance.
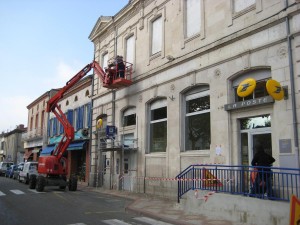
(53, 107)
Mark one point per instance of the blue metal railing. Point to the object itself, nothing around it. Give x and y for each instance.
(262, 182)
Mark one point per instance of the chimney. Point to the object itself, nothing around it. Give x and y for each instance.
(21, 126)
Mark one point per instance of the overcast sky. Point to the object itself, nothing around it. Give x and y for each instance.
(43, 43)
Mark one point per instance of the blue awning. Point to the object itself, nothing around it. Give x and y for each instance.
(47, 150)
(76, 145)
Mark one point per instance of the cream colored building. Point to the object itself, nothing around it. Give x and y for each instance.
(36, 137)
(189, 57)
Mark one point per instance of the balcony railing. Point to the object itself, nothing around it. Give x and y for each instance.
(34, 134)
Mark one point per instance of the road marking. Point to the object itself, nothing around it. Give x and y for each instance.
(102, 212)
(115, 222)
(77, 224)
(17, 192)
(35, 191)
(150, 221)
(2, 194)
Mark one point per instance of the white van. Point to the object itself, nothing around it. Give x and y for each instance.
(29, 168)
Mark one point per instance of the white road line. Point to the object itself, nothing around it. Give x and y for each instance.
(77, 224)
(115, 222)
(17, 192)
(35, 191)
(2, 194)
(150, 221)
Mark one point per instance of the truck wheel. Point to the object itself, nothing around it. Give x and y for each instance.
(40, 183)
(73, 184)
(26, 179)
(63, 187)
(32, 181)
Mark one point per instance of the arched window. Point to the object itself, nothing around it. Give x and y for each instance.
(261, 77)
(197, 119)
(67, 102)
(76, 99)
(129, 117)
(87, 93)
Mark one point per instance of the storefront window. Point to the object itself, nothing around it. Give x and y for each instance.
(197, 122)
(129, 117)
(158, 126)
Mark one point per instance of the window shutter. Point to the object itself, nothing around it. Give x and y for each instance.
(54, 126)
(48, 128)
(81, 114)
(61, 129)
(70, 116)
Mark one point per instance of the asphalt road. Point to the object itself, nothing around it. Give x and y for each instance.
(21, 206)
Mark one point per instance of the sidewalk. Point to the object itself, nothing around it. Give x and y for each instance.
(158, 208)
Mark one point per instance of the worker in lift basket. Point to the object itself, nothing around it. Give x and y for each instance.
(120, 66)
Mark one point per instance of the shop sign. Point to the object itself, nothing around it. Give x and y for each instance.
(249, 103)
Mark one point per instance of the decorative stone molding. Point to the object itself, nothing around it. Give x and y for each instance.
(217, 73)
(282, 52)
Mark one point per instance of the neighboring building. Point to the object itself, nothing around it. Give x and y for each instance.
(76, 104)
(36, 137)
(12, 145)
(189, 58)
(2, 144)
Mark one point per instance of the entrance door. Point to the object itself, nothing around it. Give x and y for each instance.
(264, 139)
(254, 130)
(249, 139)
(252, 138)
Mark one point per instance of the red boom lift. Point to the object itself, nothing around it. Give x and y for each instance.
(52, 169)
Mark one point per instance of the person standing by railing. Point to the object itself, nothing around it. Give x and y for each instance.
(262, 182)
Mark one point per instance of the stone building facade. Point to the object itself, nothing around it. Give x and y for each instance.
(12, 145)
(36, 137)
(189, 58)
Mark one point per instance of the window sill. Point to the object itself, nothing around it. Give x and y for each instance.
(156, 154)
(205, 153)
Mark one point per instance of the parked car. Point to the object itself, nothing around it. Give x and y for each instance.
(10, 171)
(18, 169)
(30, 168)
(4, 166)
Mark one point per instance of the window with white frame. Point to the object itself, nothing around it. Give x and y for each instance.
(192, 17)
(197, 119)
(156, 39)
(129, 117)
(104, 60)
(240, 5)
(128, 140)
(130, 47)
(87, 116)
(158, 126)
(75, 119)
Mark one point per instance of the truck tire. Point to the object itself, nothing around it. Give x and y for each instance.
(40, 183)
(73, 183)
(26, 179)
(63, 187)
(32, 181)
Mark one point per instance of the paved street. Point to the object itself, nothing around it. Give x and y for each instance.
(21, 206)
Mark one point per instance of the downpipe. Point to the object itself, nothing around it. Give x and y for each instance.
(292, 80)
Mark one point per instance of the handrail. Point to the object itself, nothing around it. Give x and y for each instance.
(276, 184)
